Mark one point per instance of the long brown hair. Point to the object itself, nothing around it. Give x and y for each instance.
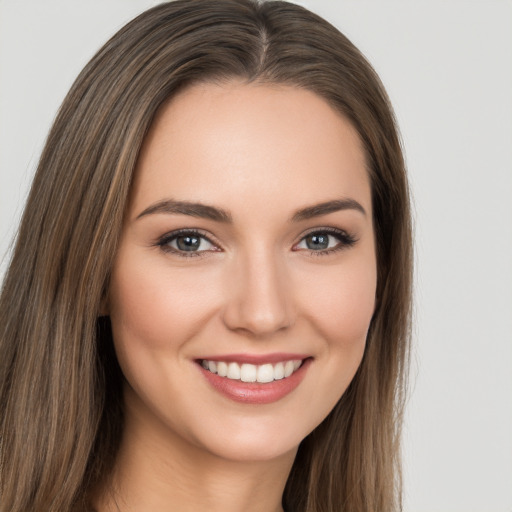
(60, 394)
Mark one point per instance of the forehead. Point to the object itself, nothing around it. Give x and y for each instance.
(238, 144)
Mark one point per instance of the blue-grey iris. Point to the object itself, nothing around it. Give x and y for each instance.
(188, 243)
(317, 241)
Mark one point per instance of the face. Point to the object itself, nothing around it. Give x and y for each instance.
(245, 279)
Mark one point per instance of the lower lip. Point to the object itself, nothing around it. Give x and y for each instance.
(256, 392)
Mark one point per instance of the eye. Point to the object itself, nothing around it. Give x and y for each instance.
(326, 241)
(186, 243)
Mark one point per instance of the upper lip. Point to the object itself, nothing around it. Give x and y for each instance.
(256, 359)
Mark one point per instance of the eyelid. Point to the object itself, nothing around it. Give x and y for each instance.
(346, 240)
(163, 241)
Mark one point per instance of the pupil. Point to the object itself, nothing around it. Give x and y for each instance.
(188, 243)
(317, 241)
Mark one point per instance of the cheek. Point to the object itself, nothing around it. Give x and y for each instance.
(341, 303)
(338, 303)
(151, 306)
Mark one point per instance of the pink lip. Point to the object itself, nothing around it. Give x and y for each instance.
(255, 392)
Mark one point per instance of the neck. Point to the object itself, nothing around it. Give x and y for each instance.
(157, 470)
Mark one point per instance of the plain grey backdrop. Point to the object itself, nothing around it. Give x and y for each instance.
(447, 65)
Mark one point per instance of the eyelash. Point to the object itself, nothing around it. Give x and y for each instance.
(345, 239)
(164, 242)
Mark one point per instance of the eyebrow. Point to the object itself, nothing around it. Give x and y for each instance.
(200, 210)
(325, 208)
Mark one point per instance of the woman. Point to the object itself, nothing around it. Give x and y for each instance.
(208, 302)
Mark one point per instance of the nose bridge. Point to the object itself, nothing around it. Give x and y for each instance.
(259, 294)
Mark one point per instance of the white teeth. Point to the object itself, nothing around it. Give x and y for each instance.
(233, 371)
(265, 373)
(279, 371)
(288, 368)
(222, 369)
(248, 373)
(252, 373)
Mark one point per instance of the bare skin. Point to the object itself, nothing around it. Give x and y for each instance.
(154, 473)
(284, 267)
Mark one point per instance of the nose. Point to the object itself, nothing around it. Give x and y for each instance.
(259, 296)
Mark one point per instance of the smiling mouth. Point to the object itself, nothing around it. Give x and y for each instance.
(246, 372)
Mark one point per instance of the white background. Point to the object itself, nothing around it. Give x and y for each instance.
(447, 65)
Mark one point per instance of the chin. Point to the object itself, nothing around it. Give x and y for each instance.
(254, 445)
